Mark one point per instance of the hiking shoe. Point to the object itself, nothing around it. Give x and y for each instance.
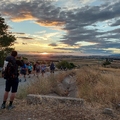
(10, 107)
(3, 106)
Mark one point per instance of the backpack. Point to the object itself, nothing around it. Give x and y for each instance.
(52, 67)
(9, 71)
(37, 67)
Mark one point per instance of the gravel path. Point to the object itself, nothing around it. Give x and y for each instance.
(2, 84)
(2, 88)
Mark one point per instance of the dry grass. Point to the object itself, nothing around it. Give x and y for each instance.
(43, 85)
(24, 111)
(62, 74)
(95, 84)
(98, 86)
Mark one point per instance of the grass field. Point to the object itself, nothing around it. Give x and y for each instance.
(99, 86)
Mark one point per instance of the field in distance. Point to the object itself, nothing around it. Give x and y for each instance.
(77, 60)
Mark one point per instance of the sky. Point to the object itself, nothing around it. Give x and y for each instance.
(65, 27)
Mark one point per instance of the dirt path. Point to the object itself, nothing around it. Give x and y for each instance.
(2, 87)
(2, 84)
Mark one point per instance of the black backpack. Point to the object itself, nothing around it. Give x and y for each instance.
(9, 71)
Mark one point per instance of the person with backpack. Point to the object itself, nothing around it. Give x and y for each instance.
(37, 68)
(52, 67)
(23, 70)
(29, 68)
(43, 68)
(11, 75)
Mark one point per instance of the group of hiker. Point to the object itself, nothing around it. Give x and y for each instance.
(12, 70)
(36, 69)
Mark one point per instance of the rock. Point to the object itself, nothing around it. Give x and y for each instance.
(108, 111)
(118, 106)
(54, 100)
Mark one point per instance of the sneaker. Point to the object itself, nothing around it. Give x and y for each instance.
(10, 107)
(19, 80)
(3, 106)
(25, 80)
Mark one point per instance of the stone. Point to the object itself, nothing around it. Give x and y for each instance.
(54, 100)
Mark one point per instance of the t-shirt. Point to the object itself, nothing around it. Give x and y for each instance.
(29, 67)
(13, 61)
(43, 67)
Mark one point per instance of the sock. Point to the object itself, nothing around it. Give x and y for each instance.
(10, 102)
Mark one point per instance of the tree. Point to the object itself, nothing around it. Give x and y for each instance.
(65, 64)
(6, 40)
(107, 62)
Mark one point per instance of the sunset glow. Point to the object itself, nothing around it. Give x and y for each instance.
(44, 53)
(76, 27)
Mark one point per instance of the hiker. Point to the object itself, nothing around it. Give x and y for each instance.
(52, 67)
(34, 69)
(61, 68)
(29, 68)
(43, 68)
(11, 75)
(37, 68)
(23, 70)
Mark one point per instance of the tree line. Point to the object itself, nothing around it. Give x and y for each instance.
(6, 40)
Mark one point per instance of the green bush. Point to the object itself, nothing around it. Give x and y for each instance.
(107, 62)
(65, 64)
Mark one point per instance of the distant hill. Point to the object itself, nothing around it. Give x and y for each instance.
(114, 55)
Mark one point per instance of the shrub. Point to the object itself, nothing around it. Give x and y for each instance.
(43, 85)
(94, 84)
(107, 62)
(65, 64)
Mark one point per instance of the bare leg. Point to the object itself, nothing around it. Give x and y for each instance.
(12, 96)
(5, 96)
(24, 78)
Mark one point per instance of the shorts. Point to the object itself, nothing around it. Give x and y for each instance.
(43, 71)
(29, 71)
(37, 71)
(23, 72)
(12, 85)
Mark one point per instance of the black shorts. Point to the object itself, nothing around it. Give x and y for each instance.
(12, 85)
(29, 71)
(43, 71)
(23, 72)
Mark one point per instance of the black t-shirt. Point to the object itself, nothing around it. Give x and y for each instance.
(15, 63)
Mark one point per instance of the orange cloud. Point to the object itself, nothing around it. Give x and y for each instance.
(50, 23)
(22, 16)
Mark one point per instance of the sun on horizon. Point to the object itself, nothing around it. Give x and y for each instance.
(44, 53)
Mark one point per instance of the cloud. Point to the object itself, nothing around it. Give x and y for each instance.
(117, 23)
(80, 24)
(19, 33)
(52, 44)
(42, 11)
(28, 38)
(24, 43)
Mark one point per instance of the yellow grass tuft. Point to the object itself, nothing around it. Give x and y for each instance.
(97, 86)
(43, 85)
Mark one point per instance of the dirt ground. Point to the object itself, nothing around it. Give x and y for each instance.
(24, 111)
